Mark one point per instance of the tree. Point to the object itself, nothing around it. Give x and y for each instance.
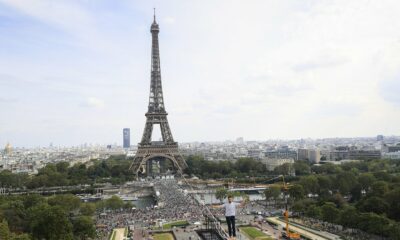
(301, 168)
(62, 167)
(325, 184)
(128, 205)
(374, 204)
(346, 181)
(68, 202)
(50, 222)
(356, 193)
(310, 184)
(88, 209)
(338, 199)
(221, 194)
(330, 213)
(284, 169)
(296, 192)
(14, 212)
(114, 202)
(21, 237)
(392, 198)
(272, 193)
(84, 228)
(349, 217)
(302, 205)
(314, 211)
(366, 180)
(4, 230)
(374, 223)
(379, 188)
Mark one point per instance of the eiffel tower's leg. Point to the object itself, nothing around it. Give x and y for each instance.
(166, 132)
(181, 162)
(148, 131)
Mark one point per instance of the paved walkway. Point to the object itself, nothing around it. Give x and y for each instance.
(119, 233)
(304, 231)
(185, 234)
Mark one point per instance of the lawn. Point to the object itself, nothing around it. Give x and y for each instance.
(175, 224)
(255, 233)
(163, 236)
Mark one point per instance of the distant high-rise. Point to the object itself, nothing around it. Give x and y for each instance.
(127, 137)
(379, 138)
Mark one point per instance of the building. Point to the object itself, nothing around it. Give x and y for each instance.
(8, 149)
(390, 148)
(255, 153)
(392, 155)
(272, 163)
(302, 154)
(314, 155)
(379, 138)
(283, 153)
(364, 154)
(126, 137)
(239, 140)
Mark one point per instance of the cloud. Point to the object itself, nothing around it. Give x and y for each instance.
(390, 89)
(169, 20)
(321, 62)
(7, 100)
(95, 102)
(259, 69)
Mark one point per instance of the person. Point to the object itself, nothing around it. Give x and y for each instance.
(230, 213)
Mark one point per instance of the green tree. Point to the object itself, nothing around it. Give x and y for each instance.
(366, 180)
(4, 230)
(128, 205)
(346, 181)
(314, 211)
(84, 228)
(349, 217)
(50, 222)
(284, 169)
(114, 203)
(379, 188)
(23, 236)
(221, 194)
(374, 204)
(355, 192)
(301, 168)
(393, 199)
(302, 205)
(330, 213)
(296, 192)
(68, 202)
(338, 199)
(14, 212)
(88, 209)
(374, 223)
(62, 167)
(310, 184)
(272, 193)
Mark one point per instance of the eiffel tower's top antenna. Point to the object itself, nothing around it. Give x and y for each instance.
(154, 15)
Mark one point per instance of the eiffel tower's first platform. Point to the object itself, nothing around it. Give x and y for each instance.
(156, 114)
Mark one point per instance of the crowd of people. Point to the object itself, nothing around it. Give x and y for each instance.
(173, 203)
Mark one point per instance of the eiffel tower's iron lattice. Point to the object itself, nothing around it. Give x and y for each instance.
(156, 114)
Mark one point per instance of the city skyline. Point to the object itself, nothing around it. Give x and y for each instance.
(262, 70)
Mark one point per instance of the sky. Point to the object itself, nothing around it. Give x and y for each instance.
(74, 72)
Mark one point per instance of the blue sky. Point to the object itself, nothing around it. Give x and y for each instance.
(78, 71)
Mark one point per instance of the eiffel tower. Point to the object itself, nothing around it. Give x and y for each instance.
(149, 150)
